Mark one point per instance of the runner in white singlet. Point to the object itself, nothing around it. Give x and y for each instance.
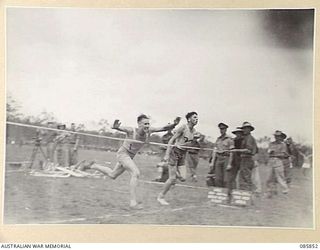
(184, 137)
(128, 150)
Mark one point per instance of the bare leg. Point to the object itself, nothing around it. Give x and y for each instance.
(168, 184)
(192, 161)
(133, 188)
(112, 173)
(125, 163)
(131, 167)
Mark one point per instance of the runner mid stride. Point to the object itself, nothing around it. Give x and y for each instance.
(175, 156)
(128, 150)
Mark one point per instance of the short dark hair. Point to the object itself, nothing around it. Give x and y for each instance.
(191, 114)
(142, 116)
(61, 126)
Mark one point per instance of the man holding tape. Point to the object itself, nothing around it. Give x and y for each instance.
(247, 150)
(135, 139)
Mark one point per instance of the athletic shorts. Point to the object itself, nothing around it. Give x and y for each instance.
(177, 157)
(124, 156)
(177, 168)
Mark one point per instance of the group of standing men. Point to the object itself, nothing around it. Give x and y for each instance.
(61, 146)
(234, 159)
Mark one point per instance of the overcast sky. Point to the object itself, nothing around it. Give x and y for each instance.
(88, 64)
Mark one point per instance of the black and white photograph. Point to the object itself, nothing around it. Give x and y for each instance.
(200, 117)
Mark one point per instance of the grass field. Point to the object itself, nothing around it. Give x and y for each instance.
(44, 200)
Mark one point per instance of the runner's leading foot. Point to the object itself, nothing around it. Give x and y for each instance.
(137, 206)
(162, 201)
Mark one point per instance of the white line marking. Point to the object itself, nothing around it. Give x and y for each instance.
(16, 171)
(183, 208)
(230, 206)
(178, 185)
(43, 174)
(17, 162)
(118, 191)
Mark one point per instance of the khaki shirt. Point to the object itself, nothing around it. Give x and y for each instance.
(224, 143)
(249, 143)
(278, 149)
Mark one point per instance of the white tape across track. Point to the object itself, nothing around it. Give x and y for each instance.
(99, 136)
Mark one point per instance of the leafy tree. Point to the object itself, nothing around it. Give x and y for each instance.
(81, 127)
(13, 108)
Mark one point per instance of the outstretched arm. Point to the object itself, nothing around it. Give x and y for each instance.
(167, 127)
(117, 126)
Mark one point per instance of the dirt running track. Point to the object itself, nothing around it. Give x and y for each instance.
(45, 200)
